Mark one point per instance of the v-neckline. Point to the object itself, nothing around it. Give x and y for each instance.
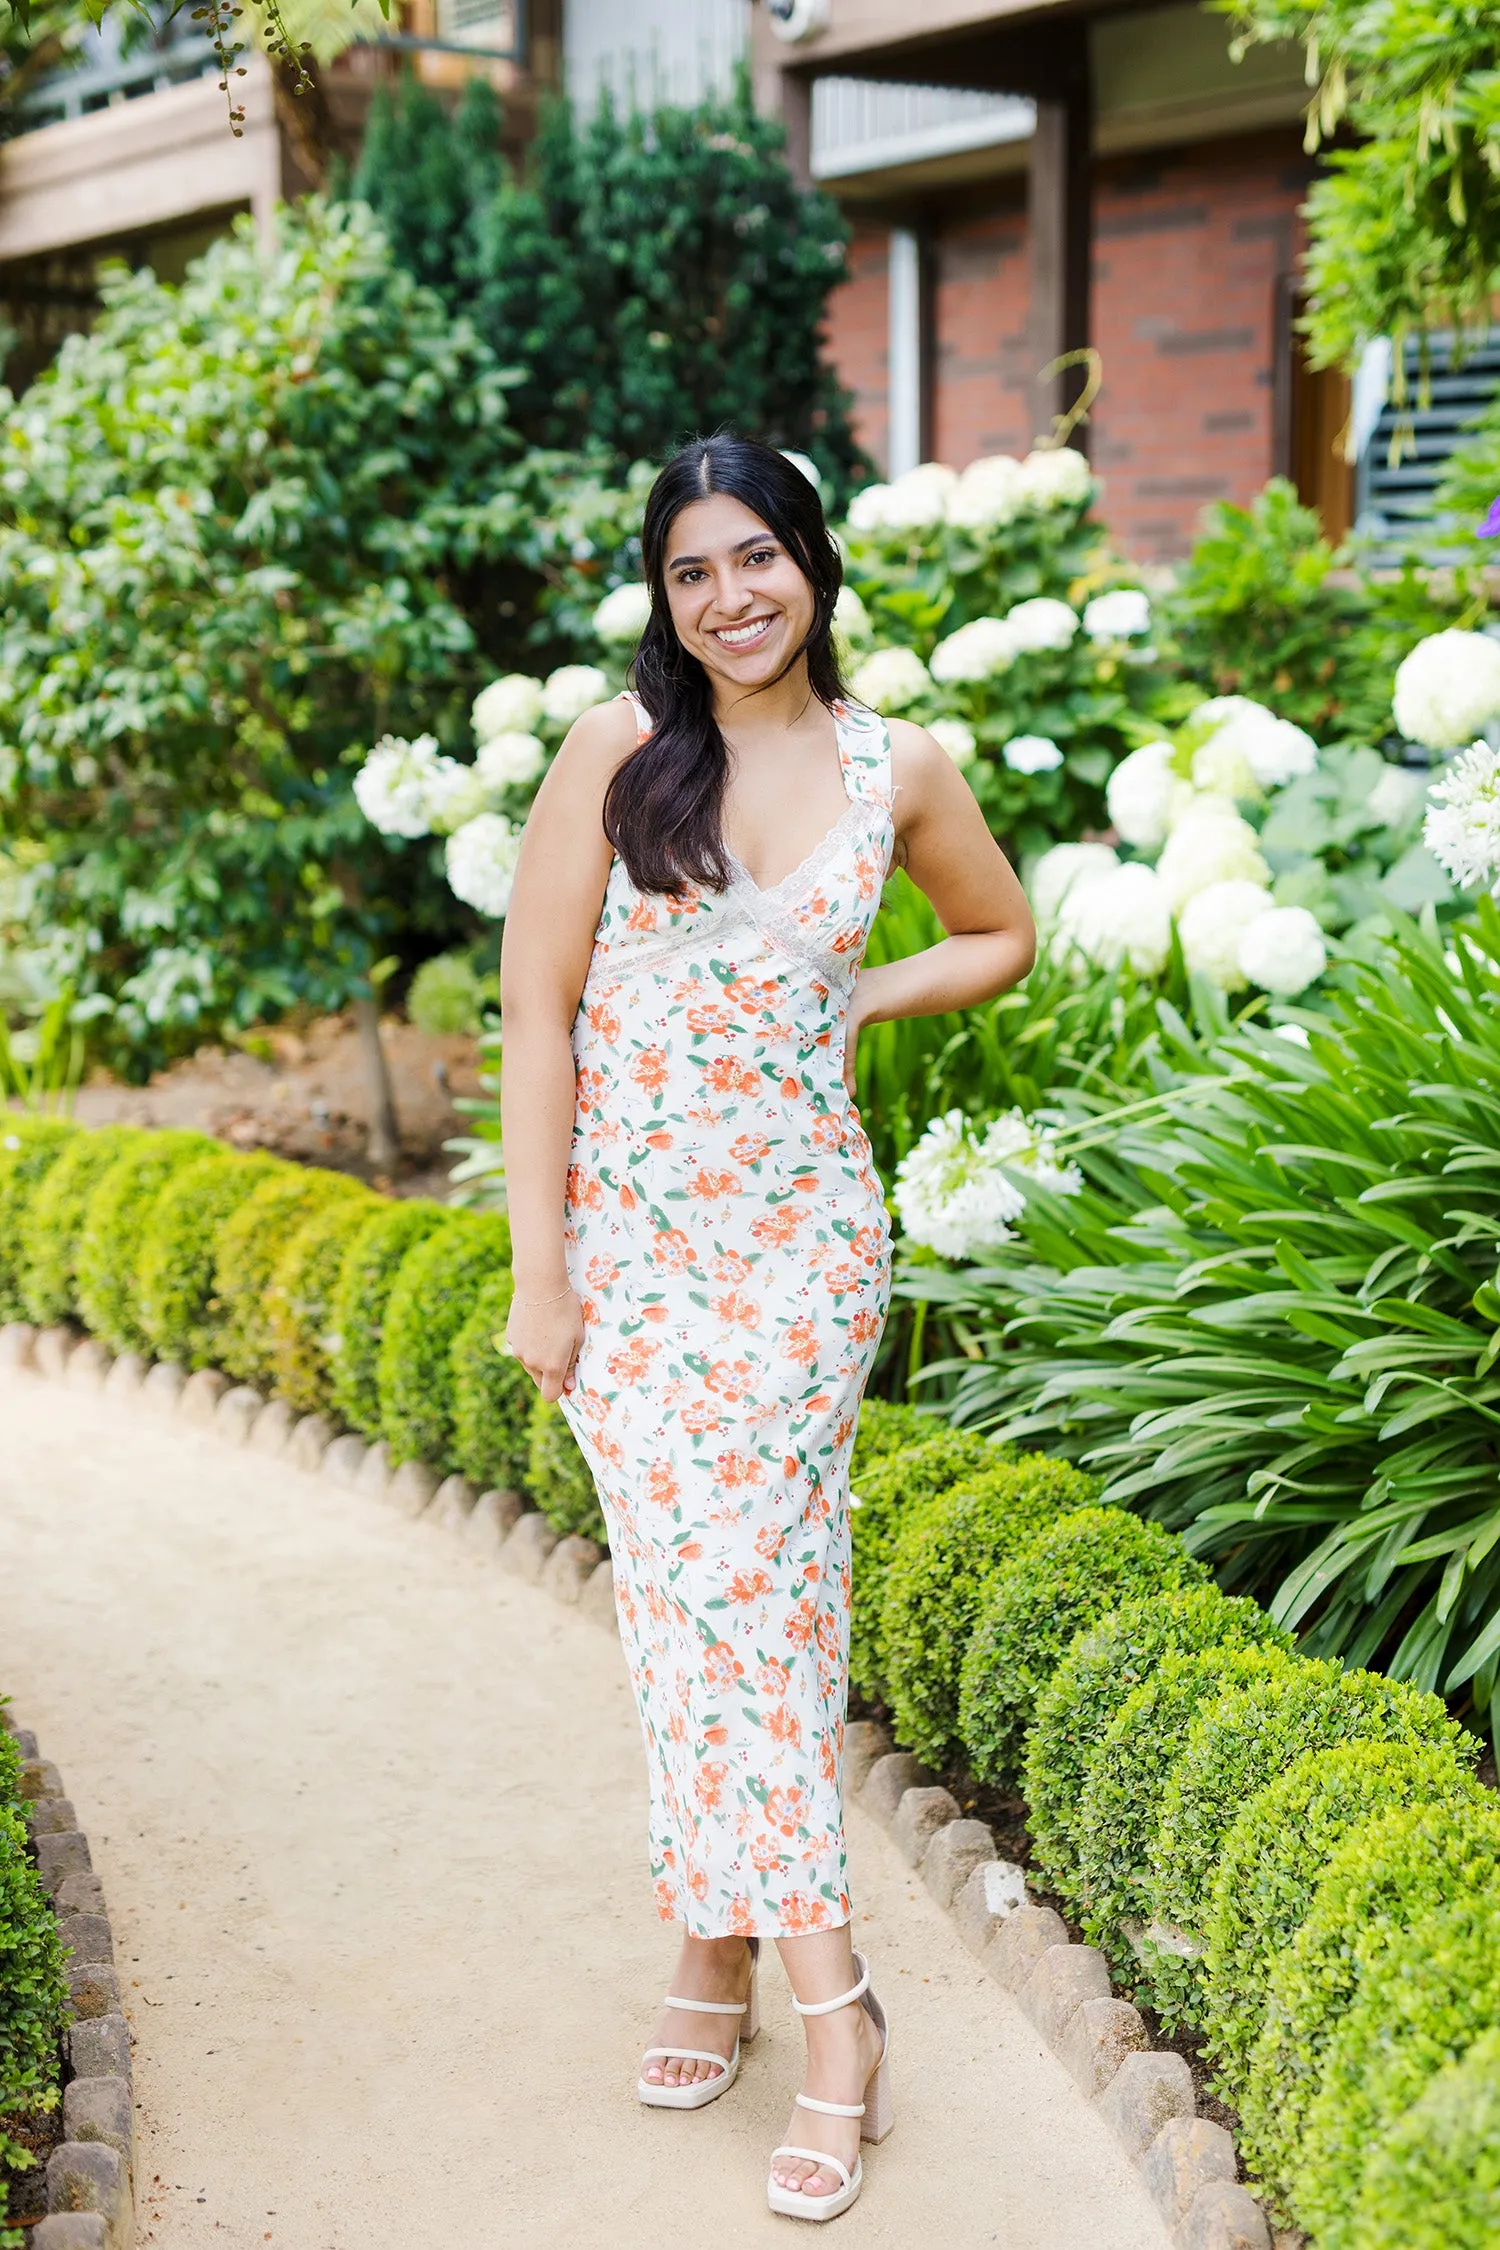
(852, 805)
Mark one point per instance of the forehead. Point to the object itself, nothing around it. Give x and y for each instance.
(714, 525)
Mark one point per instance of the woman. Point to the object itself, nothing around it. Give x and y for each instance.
(701, 1250)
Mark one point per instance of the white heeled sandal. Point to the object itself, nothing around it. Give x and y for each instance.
(700, 2091)
(875, 2114)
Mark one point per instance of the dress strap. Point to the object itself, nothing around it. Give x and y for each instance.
(645, 725)
(864, 742)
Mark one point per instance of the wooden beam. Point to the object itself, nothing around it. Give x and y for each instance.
(1060, 229)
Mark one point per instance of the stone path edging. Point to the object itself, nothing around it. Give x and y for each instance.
(91, 2174)
(1146, 2097)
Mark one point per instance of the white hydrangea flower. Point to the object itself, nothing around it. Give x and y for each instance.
(891, 680)
(510, 760)
(1283, 951)
(810, 469)
(957, 739)
(570, 691)
(1209, 845)
(1031, 753)
(1211, 926)
(1141, 793)
(1448, 689)
(1275, 751)
(1462, 828)
(1221, 767)
(867, 508)
(1120, 915)
(851, 618)
(623, 615)
(1056, 477)
(919, 499)
(977, 651)
(512, 705)
(481, 860)
(1043, 623)
(391, 786)
(455, 794)
(1395, 797)
(1121, 615)
(1058, 870)
(989, 494)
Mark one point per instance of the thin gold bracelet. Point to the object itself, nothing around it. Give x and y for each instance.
(527, 1299)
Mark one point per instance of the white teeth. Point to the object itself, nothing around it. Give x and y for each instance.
(736, 635)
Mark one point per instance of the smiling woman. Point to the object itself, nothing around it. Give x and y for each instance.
(701, 1249)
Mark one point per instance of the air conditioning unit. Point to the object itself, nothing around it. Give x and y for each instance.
(794, 20)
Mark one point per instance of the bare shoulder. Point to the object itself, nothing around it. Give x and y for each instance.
(924, 778)
(596, 746)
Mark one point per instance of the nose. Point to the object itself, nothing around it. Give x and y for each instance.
(731, 594)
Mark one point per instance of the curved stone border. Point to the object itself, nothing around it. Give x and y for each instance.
(1145, 2096)
(91, 2174)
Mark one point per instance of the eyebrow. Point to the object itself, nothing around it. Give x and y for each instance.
(761, 539)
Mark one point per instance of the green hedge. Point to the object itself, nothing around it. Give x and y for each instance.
(29, 1148)
(1419, 2007)
(33, 1988)
(179, 1311)
(885, 1429)
(53, 1221)
(1386, 1876)
(562, 1484)
(1235, 1746)
(371, 1265)
(946, 1556)
(436, 1291)
(886, 1491)
(115, 1226)
(1273, 1859)
(250, 1247)
(1065, 1581)
(1089, 1689)
(305, 1343)
(1432, 2181)
(493, 1395)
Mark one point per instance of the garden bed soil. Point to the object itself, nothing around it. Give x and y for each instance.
(303, 1094)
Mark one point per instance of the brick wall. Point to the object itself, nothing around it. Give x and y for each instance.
(1188, 249)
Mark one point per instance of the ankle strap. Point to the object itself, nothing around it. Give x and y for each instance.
(831, 2109)
(705, 2008)
(844, 2000)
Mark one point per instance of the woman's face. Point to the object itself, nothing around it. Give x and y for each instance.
(739, 602)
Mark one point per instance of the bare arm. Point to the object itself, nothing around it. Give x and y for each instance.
(549, 934)
(949, 853)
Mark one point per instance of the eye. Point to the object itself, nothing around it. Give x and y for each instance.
(690, 576)
(761, 554)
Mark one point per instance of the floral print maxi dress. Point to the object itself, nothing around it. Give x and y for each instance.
(728, 1238)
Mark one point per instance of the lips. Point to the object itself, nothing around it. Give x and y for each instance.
(748, 635)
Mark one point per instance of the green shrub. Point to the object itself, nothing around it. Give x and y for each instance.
(561, 1481)
(1273, 1859)
(887, 1490)
(304, 1340)
(1066, 1580)
(1432, 2181)
(1386, 1875)
(33, 1989)
(1115, 1828)
(493, 1395)
(436, 1290)
(179, 1312)
(116, 1224)
(1421, 2006)
(944, 1559)
(54, 1220)
(371, 1264)
(885, 1428)
(251, 1243)
(1237, 1745)
(446, 996)
(1090, 1687)
(29, 1147)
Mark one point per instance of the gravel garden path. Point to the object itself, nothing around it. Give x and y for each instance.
(369, 1815)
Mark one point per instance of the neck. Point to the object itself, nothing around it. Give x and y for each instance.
(779, 704)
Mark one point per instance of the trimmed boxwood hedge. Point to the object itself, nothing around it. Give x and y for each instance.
(946, 1556)
(250, 1246)
(492, 1393)
(1386, 1876)
(1090, 1687)
(1066, 1580)
(53, 1221)
(116, 1225)
(180, 1314)
(29, 1147)
(886, 1492)
(371, 1265)
(561, 1482)
(1274, 1858)
(1235, 1746)
(305, 1343)
(34, 2002)
(436, 1291)
(1432, 2181)
(1419, 2007)
(884, 1429)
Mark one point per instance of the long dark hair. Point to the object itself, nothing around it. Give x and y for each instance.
(663, 808)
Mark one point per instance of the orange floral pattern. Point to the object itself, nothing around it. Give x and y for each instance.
(728, 1237)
